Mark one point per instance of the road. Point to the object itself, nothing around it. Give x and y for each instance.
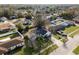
(68, 47)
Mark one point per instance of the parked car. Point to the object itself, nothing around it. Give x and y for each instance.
(61, 33)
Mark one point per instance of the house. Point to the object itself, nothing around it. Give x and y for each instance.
(43, 32)
(3, 19)
(76, 19)
(5, 27)
(59, 24)
(10, 45)
(27, 22)
(36, 32)
(49, 16)
(13, 17)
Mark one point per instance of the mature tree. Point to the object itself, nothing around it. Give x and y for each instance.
(28, 16)
(26, 49)
(67, 16)
(53, 17)
(1, 12)
(70, 13)
(26, 41)
(20, 26)
(7, 12)
(20, 15)
(40, 21)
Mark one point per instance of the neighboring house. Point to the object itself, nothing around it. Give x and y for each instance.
(10, 45)
(27, 22)
(76, 19)
(53, 17)
(49, 16)
(59, 24)
(13, 17)
(5, 27)
(3, 19)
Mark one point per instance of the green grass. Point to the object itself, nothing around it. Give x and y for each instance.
(76, 50)
(70, 29)
(29, 51)
(32, 51)
(75, 33)
(57, 36)
(63, 39)
(19, 53)
(49, 50)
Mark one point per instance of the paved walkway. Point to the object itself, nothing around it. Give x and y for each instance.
(56, 41)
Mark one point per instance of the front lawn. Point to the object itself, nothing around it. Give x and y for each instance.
(57, 36)
(70, 29)
(60, 37)
(74, 33)
(49, 50)
(76, 50)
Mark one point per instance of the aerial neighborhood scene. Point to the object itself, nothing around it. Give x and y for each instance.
(27, 29)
